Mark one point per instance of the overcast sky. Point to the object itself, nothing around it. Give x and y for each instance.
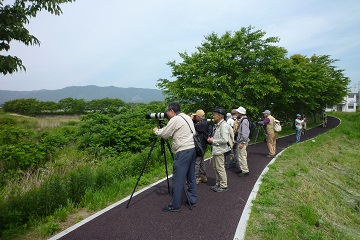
(128, 43)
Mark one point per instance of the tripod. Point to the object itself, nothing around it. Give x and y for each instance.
(257, 130)
(162, 143)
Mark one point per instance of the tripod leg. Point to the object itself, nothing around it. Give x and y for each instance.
(164, 153)
(257, 134)
(142, 170)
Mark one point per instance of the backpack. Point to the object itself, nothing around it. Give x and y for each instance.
(251, 127)
(277, 126)
(293, 125)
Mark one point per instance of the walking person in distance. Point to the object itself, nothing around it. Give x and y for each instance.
(298, 127)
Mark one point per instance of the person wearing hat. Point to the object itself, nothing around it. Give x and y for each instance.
(231, 119)
(298, 126)
(270, 133)
(201, 127)
(181, 128)
(242, 142)
(220, 146)
(230, 160)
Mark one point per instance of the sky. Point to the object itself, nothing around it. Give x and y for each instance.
(129, 43)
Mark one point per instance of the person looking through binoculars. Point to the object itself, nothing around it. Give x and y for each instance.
(181, 128)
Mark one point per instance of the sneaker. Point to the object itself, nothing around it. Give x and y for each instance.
(213, 187)
(198, 180)
(187, 204)
(238, 171)
(270, 156)
(242, 174)
(170, 208)
(203, 179)
(220, 189)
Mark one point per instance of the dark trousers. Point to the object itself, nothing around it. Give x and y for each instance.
(184, 169)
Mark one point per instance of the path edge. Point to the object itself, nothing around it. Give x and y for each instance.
(242, 225)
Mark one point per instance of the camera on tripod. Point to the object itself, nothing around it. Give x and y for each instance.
(260, 123)
(156, 115)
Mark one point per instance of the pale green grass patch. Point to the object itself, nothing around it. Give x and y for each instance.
(311, 191)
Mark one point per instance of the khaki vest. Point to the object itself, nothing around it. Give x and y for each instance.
(270, 125)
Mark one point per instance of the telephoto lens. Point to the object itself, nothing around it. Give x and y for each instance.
(156, 115)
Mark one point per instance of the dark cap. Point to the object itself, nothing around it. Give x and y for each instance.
(220, 110)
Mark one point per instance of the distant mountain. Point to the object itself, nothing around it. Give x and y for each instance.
(87, 93)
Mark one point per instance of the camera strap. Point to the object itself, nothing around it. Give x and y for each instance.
(187, 124)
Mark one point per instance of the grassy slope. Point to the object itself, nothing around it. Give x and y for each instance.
(312, 189)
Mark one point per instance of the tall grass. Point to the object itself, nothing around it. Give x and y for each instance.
(312, 189)
(90, 185)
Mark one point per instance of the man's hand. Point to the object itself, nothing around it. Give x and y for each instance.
(241, 145)
(210, 139)
(155, 129)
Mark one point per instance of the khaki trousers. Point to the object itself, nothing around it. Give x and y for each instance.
(271, 142)
(242, 158)
(220, 173)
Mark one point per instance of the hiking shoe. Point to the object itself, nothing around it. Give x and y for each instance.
(170, 208)
(203, 179)
(242, 174)
(198, 180)
(213, 187)
(220, 189)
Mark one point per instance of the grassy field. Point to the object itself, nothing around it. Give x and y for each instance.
(312, 191)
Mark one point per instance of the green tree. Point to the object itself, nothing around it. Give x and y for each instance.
(308, 85)
(29, 106)
(13, 19)
(72, 106)
(49, 106)
(105, 104)
(233, 69)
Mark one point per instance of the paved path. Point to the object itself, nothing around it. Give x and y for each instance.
(216, 215)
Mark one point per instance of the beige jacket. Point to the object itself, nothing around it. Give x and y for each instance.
(182, 138)
(221, 138)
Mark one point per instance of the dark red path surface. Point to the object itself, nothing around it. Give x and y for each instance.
(216, 215)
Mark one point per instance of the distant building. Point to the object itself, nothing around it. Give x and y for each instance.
(349, 104)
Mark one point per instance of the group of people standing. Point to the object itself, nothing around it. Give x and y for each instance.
(191, 169)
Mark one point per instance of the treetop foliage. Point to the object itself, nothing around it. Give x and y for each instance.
(245, 68)
(13, 19)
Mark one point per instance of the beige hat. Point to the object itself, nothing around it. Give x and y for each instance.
(200, 113)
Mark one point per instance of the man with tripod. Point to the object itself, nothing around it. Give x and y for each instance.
(181, 128)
